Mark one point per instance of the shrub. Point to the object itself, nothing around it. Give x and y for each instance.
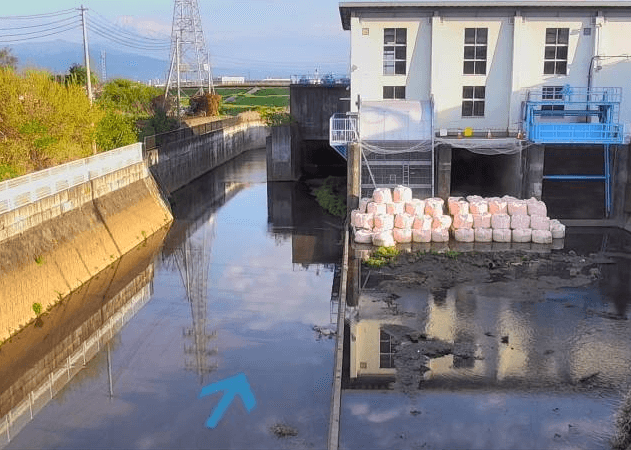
(332, 196)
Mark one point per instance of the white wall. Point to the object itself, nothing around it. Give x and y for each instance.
(515, 58)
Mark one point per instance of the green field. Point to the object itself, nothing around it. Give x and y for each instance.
(276, 97)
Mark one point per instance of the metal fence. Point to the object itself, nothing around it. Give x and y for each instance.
(18, 417)
(29, 188)
(159, 140)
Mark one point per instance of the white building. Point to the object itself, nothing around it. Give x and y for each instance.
(481, 61)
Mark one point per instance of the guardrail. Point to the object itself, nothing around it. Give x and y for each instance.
(577, 133)
(342, 129)
(26, 189)
(569, 94)
(158, 140)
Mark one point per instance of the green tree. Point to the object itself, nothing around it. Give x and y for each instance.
(128, 96)
(42, 123)
(7, 59)
(77, 75)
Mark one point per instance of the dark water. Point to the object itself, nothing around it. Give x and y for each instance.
(242, 278)
(521, 372)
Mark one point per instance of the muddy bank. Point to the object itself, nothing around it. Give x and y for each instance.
(525, 275)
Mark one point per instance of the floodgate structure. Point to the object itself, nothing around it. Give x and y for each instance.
(526, 98)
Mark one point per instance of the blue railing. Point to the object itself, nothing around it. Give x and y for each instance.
(576, 133)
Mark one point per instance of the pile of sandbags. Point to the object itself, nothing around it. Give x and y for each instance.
(391, 217)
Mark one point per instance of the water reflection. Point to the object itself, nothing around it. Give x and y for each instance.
(39, 362)
(486, 339)
(316, 238)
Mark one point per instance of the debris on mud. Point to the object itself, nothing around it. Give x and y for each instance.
(281, 430)
(510, 271)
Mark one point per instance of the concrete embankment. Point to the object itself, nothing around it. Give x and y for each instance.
(175, 163)
(64, 225)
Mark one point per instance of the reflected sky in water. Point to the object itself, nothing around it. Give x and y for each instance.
(228, 298)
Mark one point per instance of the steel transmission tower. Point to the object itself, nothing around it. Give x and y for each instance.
(190, 65)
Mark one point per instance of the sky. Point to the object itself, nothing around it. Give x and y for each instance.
(273, 37)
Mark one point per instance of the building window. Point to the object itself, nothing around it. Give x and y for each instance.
(555, 60)
(394, 92)
(473, 101)
(552, 93)
(386, 351)
(394, 51)
(475, 42)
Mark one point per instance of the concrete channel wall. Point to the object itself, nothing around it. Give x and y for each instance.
(62, 226)
(175, 164)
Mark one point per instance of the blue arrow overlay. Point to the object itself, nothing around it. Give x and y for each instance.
(231, 387)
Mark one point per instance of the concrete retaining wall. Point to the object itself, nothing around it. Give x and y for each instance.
(50, 246)
(176, 164)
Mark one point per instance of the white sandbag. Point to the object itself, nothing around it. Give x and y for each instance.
(522, 235)
(474, 198)
(382, 195)
(452, 202)
(497, 206)
(415, 207)
(353, 215)
(537, 208)
(383, 222)
(422, 236)
(383, 239)
(395, 208)
(502, 235)
(482, 220)
(363, 236)
(376, 208)
(540, 223)
(464, 235)
(557, 229)
(479, 207)
(404, 220)
(458, 207)
(463, 221)
(423, 223)
(363, 203)
(517, 207)
(541, 237)
(500, 222)
(441, 222)
(434, 206)
(365, 221)
(402, 235)
(440, 235)
(508, 198)
(402, 194)
(520, 222)
(483, 235)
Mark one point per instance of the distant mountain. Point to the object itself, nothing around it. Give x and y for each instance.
(57, 56)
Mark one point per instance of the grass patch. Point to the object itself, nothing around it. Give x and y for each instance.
(331, 196)
(273, 91)
(381, 257)
(257, 100)
(37, 308)
(39, 260)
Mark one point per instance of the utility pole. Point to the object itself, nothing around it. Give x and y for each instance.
(87, 54)
(177, 58)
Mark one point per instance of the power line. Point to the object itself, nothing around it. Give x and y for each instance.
(118, 29)
(15, 38)
(30, 33)
(121, 38)
(39, 25)
(34, 16)
(127, 43)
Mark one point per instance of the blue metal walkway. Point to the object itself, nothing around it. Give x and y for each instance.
(578, 116)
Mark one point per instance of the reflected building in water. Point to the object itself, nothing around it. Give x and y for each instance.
(494, 338)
